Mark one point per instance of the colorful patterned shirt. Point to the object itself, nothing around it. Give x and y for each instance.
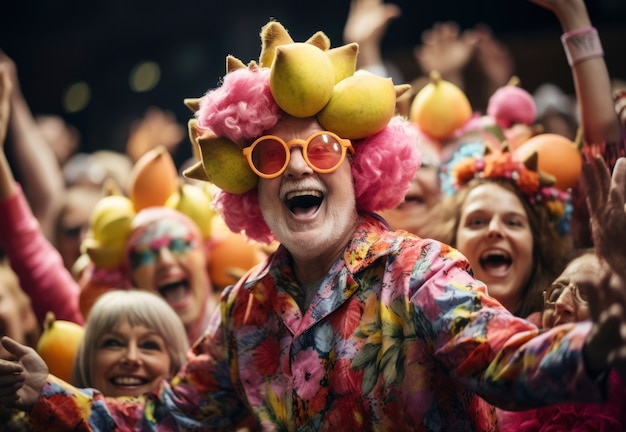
(399, 336)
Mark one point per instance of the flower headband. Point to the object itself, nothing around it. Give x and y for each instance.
(475, 160)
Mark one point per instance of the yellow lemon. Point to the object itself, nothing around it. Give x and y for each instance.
(301, 79)
(361, 105)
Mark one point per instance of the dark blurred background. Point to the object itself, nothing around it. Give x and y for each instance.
(76, 58)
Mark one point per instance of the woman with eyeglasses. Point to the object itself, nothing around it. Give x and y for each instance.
(567, 301)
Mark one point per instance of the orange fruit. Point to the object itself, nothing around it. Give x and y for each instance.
(231, 255)
(153, 179)
(558, 156)
(58, 345)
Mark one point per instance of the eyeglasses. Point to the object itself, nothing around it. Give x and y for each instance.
(552, 294)
(323, 152)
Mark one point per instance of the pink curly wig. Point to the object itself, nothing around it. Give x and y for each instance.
(243, 109)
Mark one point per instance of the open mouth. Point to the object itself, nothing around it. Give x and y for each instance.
(126, 381)
(495, 263)
(304, 203)
(175, 292)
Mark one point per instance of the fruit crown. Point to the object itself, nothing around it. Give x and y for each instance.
(301, 79)
(475, 160)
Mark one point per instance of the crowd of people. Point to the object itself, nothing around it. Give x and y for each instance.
(408, 282)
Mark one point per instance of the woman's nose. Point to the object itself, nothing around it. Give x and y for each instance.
(565, 303)
(131, 357)
(495, 227)
(165, 256)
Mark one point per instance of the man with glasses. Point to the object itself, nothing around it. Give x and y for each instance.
(348, 325)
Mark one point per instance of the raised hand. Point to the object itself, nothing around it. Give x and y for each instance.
(606, 200)
(22, 379)
(157, 128)
(447, 50)
(368, 21)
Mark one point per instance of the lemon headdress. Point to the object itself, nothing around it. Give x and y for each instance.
(300, 79)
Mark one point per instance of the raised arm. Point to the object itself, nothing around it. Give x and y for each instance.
(589, 72)
(34, 260)
(42, 179)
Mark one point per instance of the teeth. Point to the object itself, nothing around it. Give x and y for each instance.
(127, 381)
(310, 192)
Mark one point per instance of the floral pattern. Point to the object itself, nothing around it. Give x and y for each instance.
(399, 336)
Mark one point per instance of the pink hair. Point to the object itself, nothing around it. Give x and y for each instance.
(243, 108)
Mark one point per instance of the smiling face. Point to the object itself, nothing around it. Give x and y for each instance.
(130, 361)
(567, 306)
(168, 258)
(313, 215)
(495, 235)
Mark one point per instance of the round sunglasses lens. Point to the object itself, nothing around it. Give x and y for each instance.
(324, 152)
(269, 156)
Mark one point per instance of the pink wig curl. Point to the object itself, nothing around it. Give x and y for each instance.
(241, 108)
(384, 165)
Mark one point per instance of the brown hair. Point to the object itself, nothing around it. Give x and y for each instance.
(550, 248)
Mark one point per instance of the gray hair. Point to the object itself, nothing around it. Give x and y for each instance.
(138, 308)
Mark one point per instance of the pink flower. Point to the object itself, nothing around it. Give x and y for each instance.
(308, 373)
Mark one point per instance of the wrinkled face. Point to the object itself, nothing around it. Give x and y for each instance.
(169, 259)
(130, 361)
(566, 297)
(414, 214)
(10, 319)
(495, 236)
(311, 214)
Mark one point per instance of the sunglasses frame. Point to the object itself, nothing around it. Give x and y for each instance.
(345, 144)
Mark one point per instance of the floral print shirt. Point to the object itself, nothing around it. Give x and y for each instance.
(399, 336)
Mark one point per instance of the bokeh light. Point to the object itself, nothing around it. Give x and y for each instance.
(76, 97)
(144, 76)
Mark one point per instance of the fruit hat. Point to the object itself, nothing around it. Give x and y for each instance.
(475, 160)
(300, 79)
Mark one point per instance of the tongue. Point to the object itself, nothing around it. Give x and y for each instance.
(496, 268)
(304, 211)
(175, 293)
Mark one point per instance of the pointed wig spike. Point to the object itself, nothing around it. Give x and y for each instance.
(194, 132)
(402, 89)
(546, 179)
(192, 103)
(233, 63)
(196, 172)
(343, 59)
(532, 161)
(273, 34)
(320, 40)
